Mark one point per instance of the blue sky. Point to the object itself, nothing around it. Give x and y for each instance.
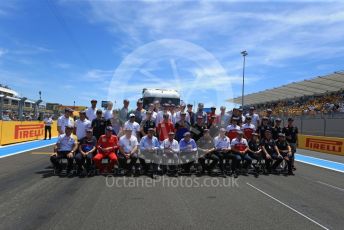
(78, 50)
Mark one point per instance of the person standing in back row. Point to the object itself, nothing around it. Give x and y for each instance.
(99, 124)
(91, 111)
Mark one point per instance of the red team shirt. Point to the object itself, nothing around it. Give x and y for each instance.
(248, 129)
(232, 131)
(163, 129)
(239, 145)
(106, 142)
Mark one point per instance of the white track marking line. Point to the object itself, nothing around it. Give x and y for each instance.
(293, 209)
(320, 166)
(331, 186)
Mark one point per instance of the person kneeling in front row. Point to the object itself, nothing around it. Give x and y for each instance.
(65, 148)
(87, 149)
(107, 147)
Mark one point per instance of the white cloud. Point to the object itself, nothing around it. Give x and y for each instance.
(3, 52)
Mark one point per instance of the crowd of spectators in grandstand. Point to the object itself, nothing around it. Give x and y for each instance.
(307, 105)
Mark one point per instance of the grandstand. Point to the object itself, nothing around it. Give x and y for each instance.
(320, 95)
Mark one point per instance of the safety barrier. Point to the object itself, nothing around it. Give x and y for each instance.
(20, 131)
(332, 145)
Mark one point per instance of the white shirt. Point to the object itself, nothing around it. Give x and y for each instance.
(248, 126)
(255, 119)
(167, 144)
(154, 114)
(63, 121)
(222, 143)
(48, 121)
(128, 144)
(187, 117)
(108, 114)
(91, 113)
(135, 127)
(81, 127)
(66, 143)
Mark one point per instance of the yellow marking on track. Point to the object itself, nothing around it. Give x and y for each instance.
(42, 153)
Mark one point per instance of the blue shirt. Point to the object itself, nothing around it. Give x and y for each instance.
(149, 143)
(187, 146)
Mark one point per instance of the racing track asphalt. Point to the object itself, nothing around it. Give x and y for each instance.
(33, 198)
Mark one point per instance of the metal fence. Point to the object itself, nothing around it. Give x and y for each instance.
(331, 125)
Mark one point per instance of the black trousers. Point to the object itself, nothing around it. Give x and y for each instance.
(47, 129)
(123, 161)
(55, 160)
(80, 161)
(227, 155)
(268, 162)
(210, 156)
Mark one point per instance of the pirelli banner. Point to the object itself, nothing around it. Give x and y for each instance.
(332, 145)
(17, 131)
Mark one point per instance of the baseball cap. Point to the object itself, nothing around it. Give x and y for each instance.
(239, 132)
(278, 119)
(183, 113)
(109, 128)
(151, 129)
(171, 133)
(281, 135)
(88, 130)
(235, 118)
(265, 118)
(269, 110)
(131, 115)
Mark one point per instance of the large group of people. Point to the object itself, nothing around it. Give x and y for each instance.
(308, 105)
(173, 139)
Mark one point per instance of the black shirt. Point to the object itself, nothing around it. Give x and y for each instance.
(282, 145)
(261, 130)
(146, 124)
(253, 145)
(269, 145)
(192, 117)
(197, 131)
(99, 125)
(87, 145)
(275, 131)
(291, 133)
